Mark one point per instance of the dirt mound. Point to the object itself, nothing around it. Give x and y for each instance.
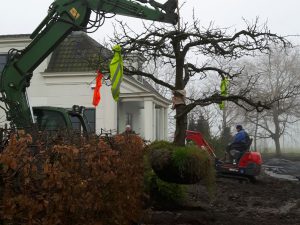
(269, 201)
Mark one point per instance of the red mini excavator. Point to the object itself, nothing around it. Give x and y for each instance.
(246, 168)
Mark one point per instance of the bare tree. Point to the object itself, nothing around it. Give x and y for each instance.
(183, 48)
(279, 79)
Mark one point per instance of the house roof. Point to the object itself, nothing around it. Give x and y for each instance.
(14, 36)
(78, 53)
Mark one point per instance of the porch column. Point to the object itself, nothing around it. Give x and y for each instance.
(161, 124)
(165, 131)
(148, 120)
(154, 123)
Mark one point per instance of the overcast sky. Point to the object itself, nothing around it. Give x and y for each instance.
(22, 16)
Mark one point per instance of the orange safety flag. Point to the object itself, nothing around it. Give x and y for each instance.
(97, 96)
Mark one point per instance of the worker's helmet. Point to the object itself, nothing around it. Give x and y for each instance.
(239, 127)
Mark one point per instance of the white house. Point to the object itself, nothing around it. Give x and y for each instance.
(65, 78)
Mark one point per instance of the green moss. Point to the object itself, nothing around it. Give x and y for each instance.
(188, 163)
(182, 156)
(161, 191)
(198, 162)
(169, 191)
(161, 145)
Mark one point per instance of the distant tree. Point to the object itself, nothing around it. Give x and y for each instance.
(226, 136)
(203, 127)
(192, 124)
(201, 124)
(279, 77)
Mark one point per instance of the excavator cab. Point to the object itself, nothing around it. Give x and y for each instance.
(61, 119)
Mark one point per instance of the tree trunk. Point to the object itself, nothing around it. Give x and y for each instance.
(224, 118)
(277, 145)
(255, 132)
(277, 132)
(181, 126)
(181, 122)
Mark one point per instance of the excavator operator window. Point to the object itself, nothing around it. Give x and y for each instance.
(76, 123)
(80, 123)
(49, 120)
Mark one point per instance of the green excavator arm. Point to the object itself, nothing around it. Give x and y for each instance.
(64, 16)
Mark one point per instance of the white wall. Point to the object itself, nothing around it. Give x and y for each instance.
(65, 90)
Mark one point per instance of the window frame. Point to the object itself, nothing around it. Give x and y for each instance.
(2, 64)
(91, 119)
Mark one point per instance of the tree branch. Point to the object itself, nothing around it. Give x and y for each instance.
(148, 75)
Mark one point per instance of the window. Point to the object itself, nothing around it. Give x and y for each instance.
(89, 119)
(90, 116)
(76, 123)
(129, 119)
(3, 61)
(49, 120)
(140, 78)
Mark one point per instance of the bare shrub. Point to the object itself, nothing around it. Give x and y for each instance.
(95, 182)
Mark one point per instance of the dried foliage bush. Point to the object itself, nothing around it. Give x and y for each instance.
(95, 182)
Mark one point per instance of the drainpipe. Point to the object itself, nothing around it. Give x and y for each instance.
(118, 128)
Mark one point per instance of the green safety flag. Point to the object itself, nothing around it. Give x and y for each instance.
(116, 72)
(224, 91)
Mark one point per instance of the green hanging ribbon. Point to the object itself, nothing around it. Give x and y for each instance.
(224, 91)
(116, 72)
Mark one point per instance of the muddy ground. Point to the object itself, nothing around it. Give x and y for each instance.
(270, 201)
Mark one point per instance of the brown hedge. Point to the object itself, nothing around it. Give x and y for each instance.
(96, 182)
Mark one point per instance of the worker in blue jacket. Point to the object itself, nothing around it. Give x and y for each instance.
(240, 143)
(241, 137)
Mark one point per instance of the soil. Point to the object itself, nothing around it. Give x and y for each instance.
(269, 201)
